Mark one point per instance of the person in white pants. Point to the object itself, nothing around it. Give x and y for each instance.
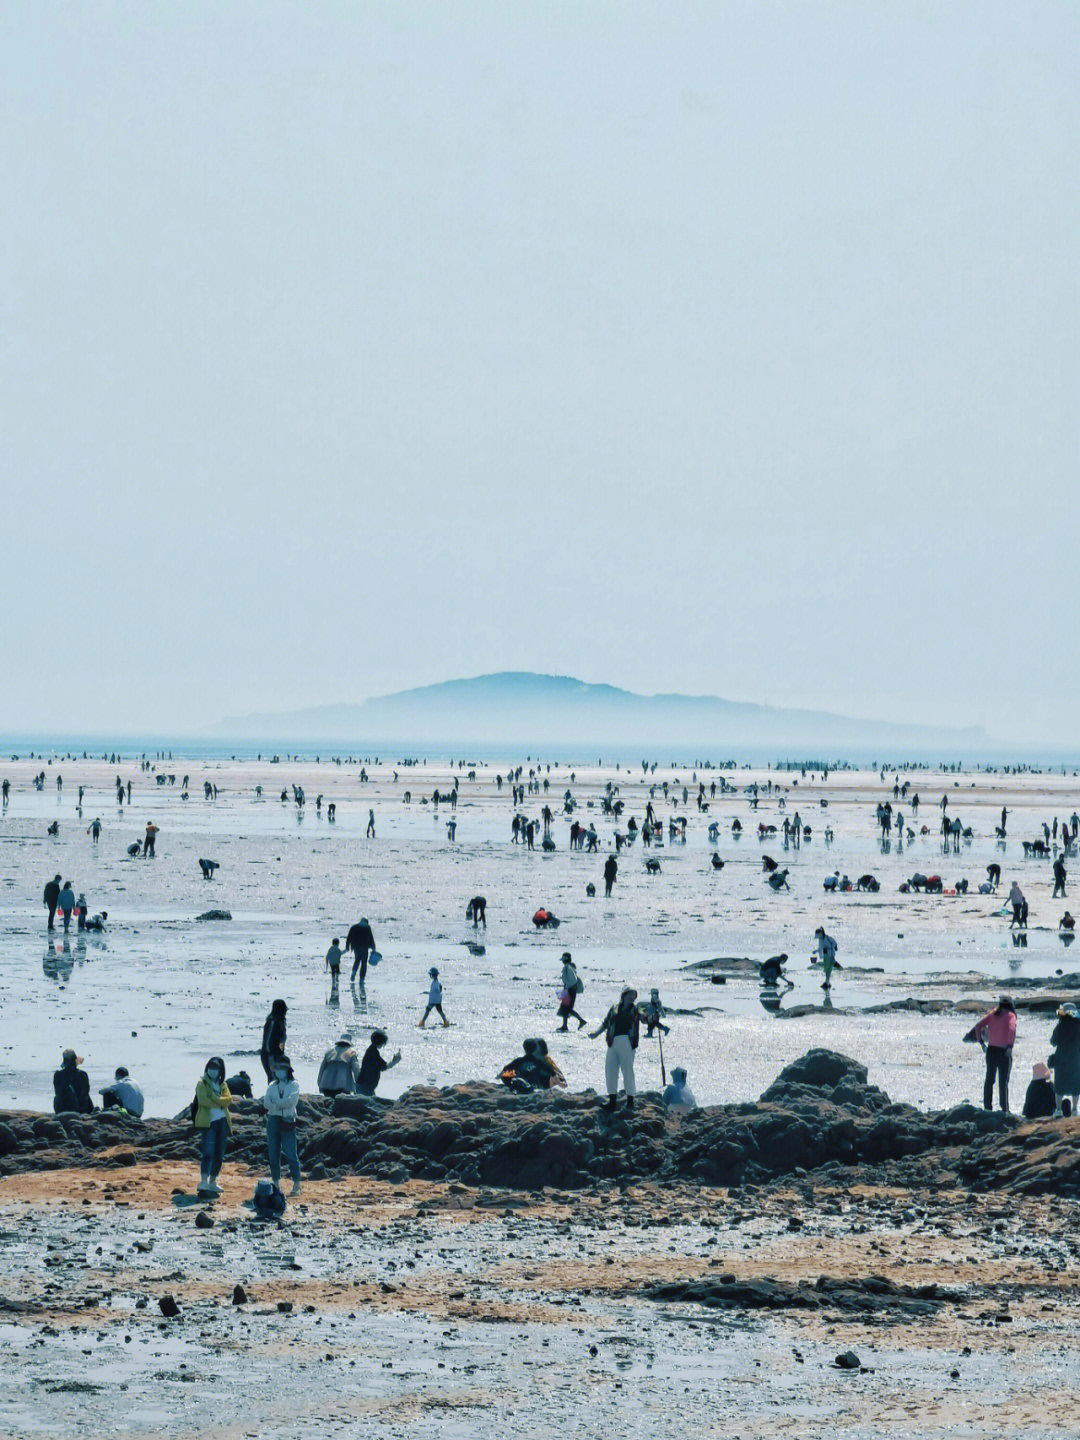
(621, 1026)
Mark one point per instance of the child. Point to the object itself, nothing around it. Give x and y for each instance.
(653, 1014)
(434, 999)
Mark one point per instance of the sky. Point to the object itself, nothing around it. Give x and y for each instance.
(722, 348)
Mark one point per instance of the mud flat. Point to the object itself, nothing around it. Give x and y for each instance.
(821, 1257)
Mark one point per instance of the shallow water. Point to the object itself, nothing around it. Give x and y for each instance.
(160, 991)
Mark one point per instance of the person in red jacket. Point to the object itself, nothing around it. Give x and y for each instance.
(996, 1032)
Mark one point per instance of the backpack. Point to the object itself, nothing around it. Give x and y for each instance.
(268, 1200)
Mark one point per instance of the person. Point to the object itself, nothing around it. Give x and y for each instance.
(476, 911)
(993, 874)
(67, 903)
(81, 911)
(361, 942)
(434, 999)
(1019, 905)
(123, 1094)
(572, 986)
(279, 1103)
(611, 870)
(1067, 923)
(370, 831)
(826, 954)
(333, 962)
(997, 1031)
(772, 970)
(622, 1028)
(71, 1086)
(212, 1120)
(51, 898)
(273, 1037)
(149, 838)
(95, 830)
(339, 1073)
(373, 1064)
(533, 1069)
(1065, 1056)
(653, 1014)
(240, 1085)
(1059, 879)
(678, 1095)
(1039, 1102)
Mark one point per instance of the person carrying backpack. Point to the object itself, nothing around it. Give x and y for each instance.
(339, 1072)
(212, 1121)
(280, 1105)
(622, 1028)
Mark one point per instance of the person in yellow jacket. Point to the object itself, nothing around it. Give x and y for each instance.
(212, 1121)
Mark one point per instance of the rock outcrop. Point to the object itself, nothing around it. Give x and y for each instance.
(820, 1115)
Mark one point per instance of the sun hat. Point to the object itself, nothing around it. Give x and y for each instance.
(1068, 1010)
(1040, 1072)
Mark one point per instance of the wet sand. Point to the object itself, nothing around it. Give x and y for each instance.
(423, 1308)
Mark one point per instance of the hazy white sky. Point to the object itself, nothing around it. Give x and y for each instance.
(724, 348)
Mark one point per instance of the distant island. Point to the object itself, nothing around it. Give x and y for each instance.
(542, 712)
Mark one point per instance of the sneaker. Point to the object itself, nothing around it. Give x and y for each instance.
(295, 1189)
(212, 1187)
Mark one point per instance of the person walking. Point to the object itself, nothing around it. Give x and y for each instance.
(572, 986)
(1019, 906)
(149, 838)
(67, 904)
(361, 942)
(273, 1037)
(213, 1122)
(1065, 1057)
(279, 1103)
(825, 953)
(333, 964)
(621, 1027)
(996, 1032)
(339, 1073)
(434, 999)
(51, 898)
(1059, 879)
(611, 870)
(373, 1064)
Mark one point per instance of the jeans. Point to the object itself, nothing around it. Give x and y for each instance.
(281, 1139)
(214, 1139)
(998, 1062)
(620, 1056)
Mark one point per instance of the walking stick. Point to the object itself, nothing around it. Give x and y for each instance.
(663, 1072)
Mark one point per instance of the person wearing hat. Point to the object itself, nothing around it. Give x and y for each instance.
(678, 1095)
(1039, 1102)
(373, 1064)
(123, 1094)
(339, 1073)
(533, 1069)
(71, 1087)
(434, 999)
(280, 1103)
(1065, 1057)
(825, 952)
(621, 1027)
(653, 1014)
(997, 1033)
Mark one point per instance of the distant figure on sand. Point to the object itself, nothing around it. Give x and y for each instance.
(571, 989)
(678, 1095)
(51, 898)
(825, 954)
(361, 941)
(149, 839)
(611, 870)
(476, 911)
(434, 999)
(370, 831)
(280, 1102)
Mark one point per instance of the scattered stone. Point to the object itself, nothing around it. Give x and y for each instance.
(239, 1295)
(848, 1360)
(168, 1306)
(204, 1220)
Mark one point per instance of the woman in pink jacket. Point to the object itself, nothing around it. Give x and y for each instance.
(996, 1032)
